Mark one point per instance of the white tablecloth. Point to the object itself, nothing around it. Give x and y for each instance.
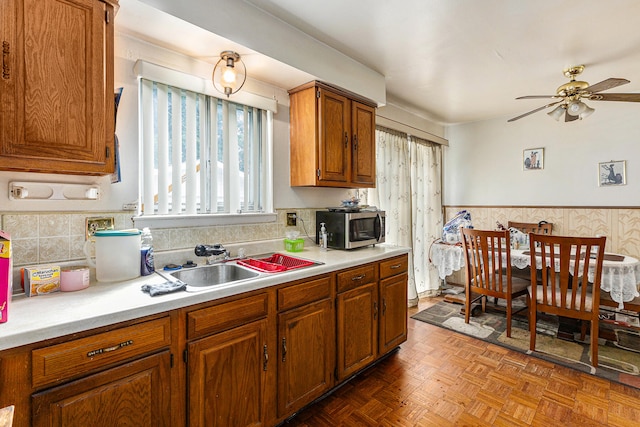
(620, 278)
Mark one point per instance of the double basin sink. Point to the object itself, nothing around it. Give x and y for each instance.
(226, 272)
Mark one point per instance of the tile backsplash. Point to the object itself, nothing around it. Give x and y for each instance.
(48, 237)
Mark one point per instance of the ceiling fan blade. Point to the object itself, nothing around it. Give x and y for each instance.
(534, 111)
(536, 97)
(569, 118)
(626, 97)
(606, 84)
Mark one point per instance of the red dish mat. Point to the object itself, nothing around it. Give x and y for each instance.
(275, 263)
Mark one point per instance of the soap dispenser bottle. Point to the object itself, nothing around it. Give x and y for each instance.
(323, 236)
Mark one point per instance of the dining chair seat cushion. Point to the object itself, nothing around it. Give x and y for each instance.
(588, 303)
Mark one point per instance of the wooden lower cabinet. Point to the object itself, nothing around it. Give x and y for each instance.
(249, 360)
(357, 329)
(136, 394)
(393, 312)
(227, 377)
(305, 355)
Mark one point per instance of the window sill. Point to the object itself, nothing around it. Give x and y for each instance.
(177, 221)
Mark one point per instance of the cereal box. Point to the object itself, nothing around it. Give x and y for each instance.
(6, 275)
(41, 280)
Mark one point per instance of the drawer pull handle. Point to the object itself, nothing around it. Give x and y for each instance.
(265, 359)
(393, 267)
(360, 277)
(6, 70)
(110, 349)
(284, 349)
(375, 310)
(384, 307)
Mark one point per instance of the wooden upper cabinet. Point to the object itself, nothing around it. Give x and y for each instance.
(332, 138)
(363, 161)
(57, 100)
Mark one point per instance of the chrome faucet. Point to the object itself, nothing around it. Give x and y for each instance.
(213, 252)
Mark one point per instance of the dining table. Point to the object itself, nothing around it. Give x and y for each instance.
(620, 273)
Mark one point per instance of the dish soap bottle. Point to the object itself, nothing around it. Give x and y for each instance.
(146, 253)
(323, 236)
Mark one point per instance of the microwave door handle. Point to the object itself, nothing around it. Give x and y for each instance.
(379, 234)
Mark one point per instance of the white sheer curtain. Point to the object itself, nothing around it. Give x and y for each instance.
(408, 189)
(426, 201)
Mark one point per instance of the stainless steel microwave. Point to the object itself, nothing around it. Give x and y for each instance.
(350, 230)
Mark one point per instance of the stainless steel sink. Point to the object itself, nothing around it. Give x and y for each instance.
(212, 275)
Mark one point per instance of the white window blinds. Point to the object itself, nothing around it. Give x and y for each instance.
(200, 154)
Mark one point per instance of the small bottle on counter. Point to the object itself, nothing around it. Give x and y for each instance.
(146, 253)
(323, 236)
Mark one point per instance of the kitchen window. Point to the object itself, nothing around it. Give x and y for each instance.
(204, 159)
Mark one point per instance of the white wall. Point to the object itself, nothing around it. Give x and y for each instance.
(483, 164)
(127, 51)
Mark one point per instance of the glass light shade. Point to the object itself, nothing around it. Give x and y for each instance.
(575, 108)
(229, 73)
(587, 112)
(556, 113)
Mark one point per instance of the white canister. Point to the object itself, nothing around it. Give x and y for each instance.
(117, 255)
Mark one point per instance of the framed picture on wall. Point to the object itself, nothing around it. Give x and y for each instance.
(533, 159)
(613, 172)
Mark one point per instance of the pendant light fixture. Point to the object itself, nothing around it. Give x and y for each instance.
(229, 73)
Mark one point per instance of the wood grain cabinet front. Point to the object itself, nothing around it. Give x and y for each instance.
(393, 303)
(332, 141)
(136, 394)
(231, 362)
(56, 89)
(58, 363)
(306, 343)
(227, 380)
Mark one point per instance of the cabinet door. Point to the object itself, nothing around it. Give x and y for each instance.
(393, 312)
(363, 164)
(57, 99)
(227, 377)
(357, 314)
(305, 354)
(334, 123)
(136, 394)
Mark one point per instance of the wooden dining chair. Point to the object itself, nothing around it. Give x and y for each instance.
(487, 274)
(566, 264)
(542, 227)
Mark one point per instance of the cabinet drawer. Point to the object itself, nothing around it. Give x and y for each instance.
(356, 277)
(72, 358)
(225, 316)
(304, 293)
(394, 266)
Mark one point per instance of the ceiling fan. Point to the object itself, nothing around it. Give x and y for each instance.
(572, 94)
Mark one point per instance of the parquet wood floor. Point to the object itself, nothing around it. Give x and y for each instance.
(442, 378)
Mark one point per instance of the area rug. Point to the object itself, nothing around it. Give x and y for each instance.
(619, 358)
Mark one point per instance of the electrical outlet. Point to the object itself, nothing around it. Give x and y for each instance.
(292, 219)
(97, 224)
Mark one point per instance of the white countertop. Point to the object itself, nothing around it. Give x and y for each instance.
(48, 316)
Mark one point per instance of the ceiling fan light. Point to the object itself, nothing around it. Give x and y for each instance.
(575, 108)
(587, 112)
(556, 113)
